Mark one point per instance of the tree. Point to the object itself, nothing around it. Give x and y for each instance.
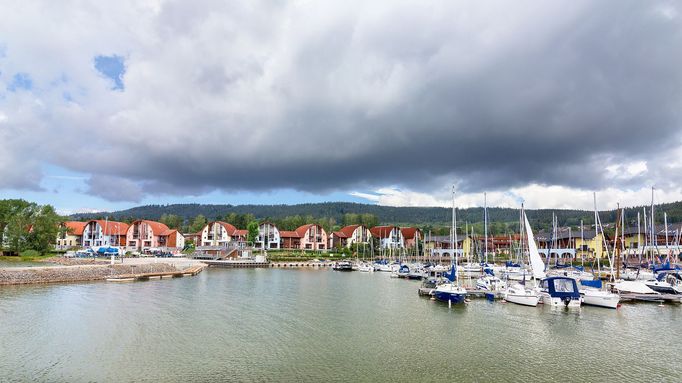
(9, 208)
(172, 221)
(34, 227)
(197, 224)
(252, 228)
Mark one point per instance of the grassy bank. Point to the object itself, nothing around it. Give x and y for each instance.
(30, 257)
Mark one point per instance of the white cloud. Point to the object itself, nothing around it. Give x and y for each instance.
(320, 96)
(532, 196)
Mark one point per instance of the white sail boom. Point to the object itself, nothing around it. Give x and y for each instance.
(536, 263)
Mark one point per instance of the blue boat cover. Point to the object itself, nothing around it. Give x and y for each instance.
(451, 275)
(561, 287)
(595, 283)
(511, 264)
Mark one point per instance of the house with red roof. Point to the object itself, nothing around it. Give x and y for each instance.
(71, 235)
(349, 235)
(410, 236)
(100, 232)
(145, 235)
(390, 237)
(289, 240)
(306, 237)
(219, 233)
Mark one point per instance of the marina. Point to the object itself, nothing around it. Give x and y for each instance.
(308, 324)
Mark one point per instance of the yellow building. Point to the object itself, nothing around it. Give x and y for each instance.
(71, 236)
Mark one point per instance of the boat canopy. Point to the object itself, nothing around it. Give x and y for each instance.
(561, 287)
(596, 283)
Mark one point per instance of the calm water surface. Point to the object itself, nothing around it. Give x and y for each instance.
(298, 325)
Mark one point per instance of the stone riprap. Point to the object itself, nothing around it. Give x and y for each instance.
(27, 275)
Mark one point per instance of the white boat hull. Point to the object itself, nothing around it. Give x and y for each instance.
(524, 300)
(633, 287)
(600, 298)
(548, 300)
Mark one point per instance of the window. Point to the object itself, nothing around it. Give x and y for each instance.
(563, 285)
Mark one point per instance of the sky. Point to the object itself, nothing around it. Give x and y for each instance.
(109, 105)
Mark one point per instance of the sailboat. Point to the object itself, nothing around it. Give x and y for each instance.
(488, 281)
(451, 292)
(518, 293)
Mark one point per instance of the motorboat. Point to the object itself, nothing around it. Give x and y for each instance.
(635, 274)
(560, 292)
(471, 269)
(577, 273)
(634, 287)
(428, 286)
(490, 283)
(343, 266)
(365, 267)
(520, 295)
(667, 281)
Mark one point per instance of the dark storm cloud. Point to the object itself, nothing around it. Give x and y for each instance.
(337, 97)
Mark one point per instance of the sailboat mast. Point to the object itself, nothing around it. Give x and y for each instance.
(616, 250)
(639, 240)
(485, 224)
(582, 244)
(596, 231)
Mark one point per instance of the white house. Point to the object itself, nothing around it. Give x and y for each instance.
(98, 233)
(220, 233)
(268, 236)
(390, 237)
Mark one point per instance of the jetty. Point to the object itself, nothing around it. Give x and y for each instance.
(192, 271)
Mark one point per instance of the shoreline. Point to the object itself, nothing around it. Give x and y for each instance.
(95, 271)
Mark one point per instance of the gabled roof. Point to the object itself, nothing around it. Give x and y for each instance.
(348, 231)
(158, 228)
(409, 232)
(111, 227)
(168, 232)
(229, 228)
(340, 234)
(241, 233)
(288, 234)
(75, 227)
(382, 231)
(301, 230)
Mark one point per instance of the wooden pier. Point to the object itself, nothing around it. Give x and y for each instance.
(236, 263)
(192, 271)
(669, 298)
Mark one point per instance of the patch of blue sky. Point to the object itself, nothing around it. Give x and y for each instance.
(112, 67)
(20, 81)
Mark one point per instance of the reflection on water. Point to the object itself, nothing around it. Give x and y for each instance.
(305, 325)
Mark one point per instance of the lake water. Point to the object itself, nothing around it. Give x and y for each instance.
(312, 325)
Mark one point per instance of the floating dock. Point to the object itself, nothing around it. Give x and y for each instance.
(631, 297)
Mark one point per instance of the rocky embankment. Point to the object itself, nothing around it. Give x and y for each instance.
(53, 274)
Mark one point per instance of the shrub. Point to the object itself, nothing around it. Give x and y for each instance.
(30, 254)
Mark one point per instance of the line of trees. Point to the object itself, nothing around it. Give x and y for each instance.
(28, 226)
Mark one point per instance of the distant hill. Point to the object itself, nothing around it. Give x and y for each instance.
(386, 214)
